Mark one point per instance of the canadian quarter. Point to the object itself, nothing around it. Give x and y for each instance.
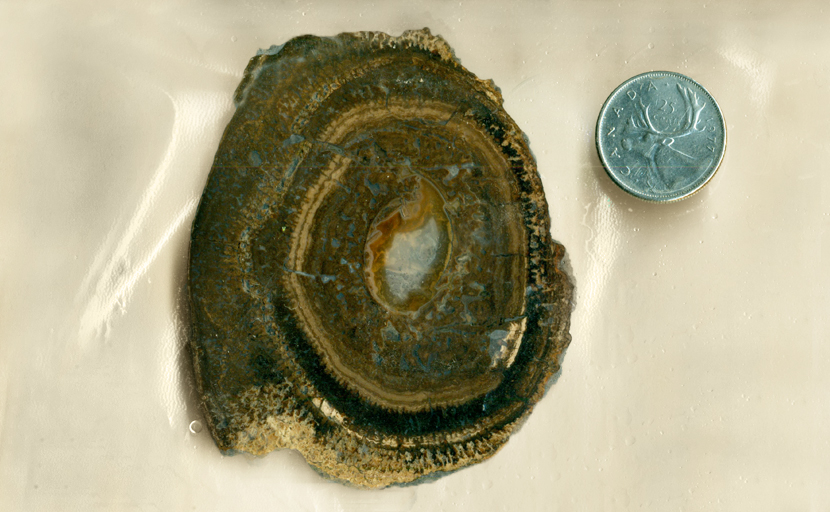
(661, 136)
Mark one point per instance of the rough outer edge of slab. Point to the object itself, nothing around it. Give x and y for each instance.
(380, 461)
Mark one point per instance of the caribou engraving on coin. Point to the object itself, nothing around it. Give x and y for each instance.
(661, 136)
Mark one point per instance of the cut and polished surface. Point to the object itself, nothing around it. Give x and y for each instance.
(372, 275)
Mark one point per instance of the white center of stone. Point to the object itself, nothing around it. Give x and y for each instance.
(410, 259)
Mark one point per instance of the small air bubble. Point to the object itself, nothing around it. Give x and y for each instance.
(195, 426)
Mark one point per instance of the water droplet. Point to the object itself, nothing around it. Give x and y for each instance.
(195, 426)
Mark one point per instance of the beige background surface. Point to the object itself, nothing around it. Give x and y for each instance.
(698, 374)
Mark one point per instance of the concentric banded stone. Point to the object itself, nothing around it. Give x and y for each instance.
(372, 276)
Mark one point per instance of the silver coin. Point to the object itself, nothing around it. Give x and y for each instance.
(661, 136)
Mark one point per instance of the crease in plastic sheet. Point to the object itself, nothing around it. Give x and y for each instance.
(602, 219)
(170, 379)
(759, 73)
(115, 270)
